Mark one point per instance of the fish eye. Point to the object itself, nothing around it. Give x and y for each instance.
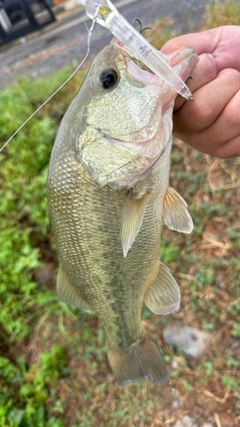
(108, 78)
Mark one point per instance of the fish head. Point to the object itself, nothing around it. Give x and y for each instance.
(127, 113)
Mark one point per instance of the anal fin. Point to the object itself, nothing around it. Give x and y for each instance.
(67, 293)
(163, 296)
(132, 218)
(175, 212)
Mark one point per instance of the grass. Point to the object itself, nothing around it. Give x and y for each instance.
(222, 13)
(25, 243)
(53, 364)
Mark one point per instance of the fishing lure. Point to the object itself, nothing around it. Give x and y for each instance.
(107, 15)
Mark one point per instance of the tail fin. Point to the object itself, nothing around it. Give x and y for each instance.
(140, 361)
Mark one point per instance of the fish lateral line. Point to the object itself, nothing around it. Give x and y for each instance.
(90, 31)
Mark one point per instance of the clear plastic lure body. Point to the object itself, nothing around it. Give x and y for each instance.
(105, 13)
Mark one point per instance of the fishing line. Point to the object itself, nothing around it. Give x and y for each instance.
(90, 31)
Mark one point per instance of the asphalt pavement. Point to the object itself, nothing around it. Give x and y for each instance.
(64, 42)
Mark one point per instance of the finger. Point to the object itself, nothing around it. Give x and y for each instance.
(204, 72)
(209, 101)
(222, 42)
(204, 42)
(224, 134)
(229, 149)
(222, 138)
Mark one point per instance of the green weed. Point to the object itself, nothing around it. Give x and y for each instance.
(222, 13)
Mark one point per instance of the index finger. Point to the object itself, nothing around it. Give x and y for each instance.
(222, 42)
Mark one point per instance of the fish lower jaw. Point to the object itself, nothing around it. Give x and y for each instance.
(152, 152)
(138, 145)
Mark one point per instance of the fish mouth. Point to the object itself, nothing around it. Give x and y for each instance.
(134, 63)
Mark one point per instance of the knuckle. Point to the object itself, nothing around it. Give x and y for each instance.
(228, 150)
(208, 66)
(233, 112)
(230, 74)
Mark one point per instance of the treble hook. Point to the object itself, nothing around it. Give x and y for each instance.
(141, 31)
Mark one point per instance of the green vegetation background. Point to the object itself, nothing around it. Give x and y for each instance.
(53, 367)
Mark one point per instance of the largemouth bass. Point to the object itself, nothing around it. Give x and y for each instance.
(109, 195)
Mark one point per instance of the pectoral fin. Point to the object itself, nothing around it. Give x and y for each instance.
(163, 296)
(175, 212)
(66, 293)
(132, 218)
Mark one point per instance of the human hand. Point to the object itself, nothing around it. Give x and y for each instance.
(211, 123)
